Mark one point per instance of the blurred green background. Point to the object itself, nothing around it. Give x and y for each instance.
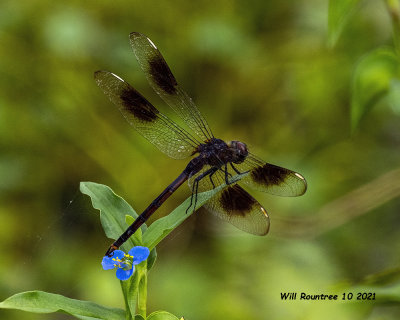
(261, 72)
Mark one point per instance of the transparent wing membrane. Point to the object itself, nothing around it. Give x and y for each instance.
(272, 179)
(233, 204)
(166, 135)
(163, 82)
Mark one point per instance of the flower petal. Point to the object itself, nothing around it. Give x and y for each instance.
(110, 262)
(124, 274)
(139, 254)
(118, 254)
(107, 263)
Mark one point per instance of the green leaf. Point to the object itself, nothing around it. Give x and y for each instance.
(151, 260)
(130, 290)
(139, 317)
(162, 315)
(44, 302)
(153, 253)
(339, 13)
(129, 219)
(372, 80)
(113, 211)
(141, 269)
(394, 96)
(160, 228)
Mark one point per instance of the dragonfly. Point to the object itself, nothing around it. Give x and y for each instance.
(214, 162)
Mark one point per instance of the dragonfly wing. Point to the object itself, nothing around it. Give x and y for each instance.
(163, 82)
(272, 179)
(239, 208)
(233, 204)
(166, 135)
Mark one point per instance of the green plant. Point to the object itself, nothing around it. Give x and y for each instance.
(115, 215)
(377, 73)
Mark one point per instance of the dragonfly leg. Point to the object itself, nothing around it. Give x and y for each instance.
(195, 196)
(212, 182)
(195, 186)
(227, 174)
(191, 197)
(234, 168)
(237, 171)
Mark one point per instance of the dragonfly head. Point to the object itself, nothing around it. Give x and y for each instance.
(239, 151)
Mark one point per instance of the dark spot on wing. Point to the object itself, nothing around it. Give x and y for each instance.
(137, 105)
(269, 175)
(162, 74)
(234, 200)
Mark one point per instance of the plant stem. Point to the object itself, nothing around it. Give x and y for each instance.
(394, 11)
(142, 290)
(125, 289)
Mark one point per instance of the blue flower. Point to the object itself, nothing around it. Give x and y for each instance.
(125, 263)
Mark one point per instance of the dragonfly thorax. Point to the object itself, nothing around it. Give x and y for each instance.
(217, 152)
